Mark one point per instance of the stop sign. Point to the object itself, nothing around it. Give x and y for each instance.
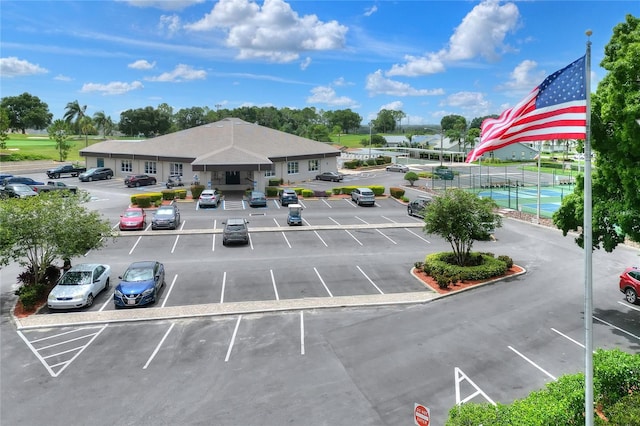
(421, 415)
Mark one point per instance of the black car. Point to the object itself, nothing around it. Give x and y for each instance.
(288, 196)
(21, 179)
(96, 173)
(416, 207)
(166, 217)
(330, 176)
(139, 180)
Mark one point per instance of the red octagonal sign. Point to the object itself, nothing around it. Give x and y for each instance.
(421, 415)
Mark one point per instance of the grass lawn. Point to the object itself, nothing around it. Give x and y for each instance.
(39, 147)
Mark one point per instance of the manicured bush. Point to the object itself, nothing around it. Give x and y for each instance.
(626, 411)
(307, 193)
(618, 374)
(271, 191)
(405, 199)
(143, 201)
(275, 182)
(371, 161)
(196, 190)
(29, 295)
(507, 260)
(479, 267)
(353, 164)
(396, 192)
(168, 194)
(181, 193)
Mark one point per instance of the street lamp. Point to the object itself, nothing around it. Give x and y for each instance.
(370, 139)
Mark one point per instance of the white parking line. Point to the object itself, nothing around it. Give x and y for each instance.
(351, 203)
(626, 305)
(213, 243)
(153, 355)
(327, 203)
(164, 302)
(135, 244)
(354, 237)
(276, 222)
(175, 243)
(323, 242)
(361, 220)
(568, 338)
(533, 363)
(419, 236)
(617, 328)
(286, 239)
(233, 339)
(323, 283)
(370, 280)
(386, 236)
(224, 283)
(301, 333)
(273, 281)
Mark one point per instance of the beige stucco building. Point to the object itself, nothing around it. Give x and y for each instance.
(230, 154)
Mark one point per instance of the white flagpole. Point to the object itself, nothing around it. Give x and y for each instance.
(588, 250)
(539, 156)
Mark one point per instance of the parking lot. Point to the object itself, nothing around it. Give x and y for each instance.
(349, 364)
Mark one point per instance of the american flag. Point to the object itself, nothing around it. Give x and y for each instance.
(557, 109)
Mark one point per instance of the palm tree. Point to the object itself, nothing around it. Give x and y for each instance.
(74, 113)
(100, 119)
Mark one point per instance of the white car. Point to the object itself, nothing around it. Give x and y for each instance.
(79, 286)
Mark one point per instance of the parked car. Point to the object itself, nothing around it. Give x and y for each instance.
(55, 186)
(444, 174)
(133, 218)
(630, 284)
(417, 206)
(397, 168)
(166, 217)
(139, 285)
(330, 176)
(79, 286)
(288, 196)
(257, 199)
(209, 197)
(67, 169)
(96, 173)
(235, 231)
(4, 176)
(139, 180)
(21, 179)
(363, 196)
(17, 190)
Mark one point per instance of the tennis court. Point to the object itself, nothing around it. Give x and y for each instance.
(525, 199)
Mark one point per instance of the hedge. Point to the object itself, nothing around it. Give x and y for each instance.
(147, 199)
(440, 266)
(346, 190)
(396, 192)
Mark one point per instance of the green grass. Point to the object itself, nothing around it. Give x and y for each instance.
(39, 147)
(349, 141)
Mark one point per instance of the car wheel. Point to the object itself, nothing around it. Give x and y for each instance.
(409, 212)
(137, 184)
(153, 182)
(90, 178)
(109, 176)
(107, 284)
(56, 176)
(631, 296)
(89, 300)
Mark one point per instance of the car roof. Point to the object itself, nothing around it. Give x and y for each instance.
(289, 191)
(142, 264)
(84, 267)
(364, 189)
(235, 221)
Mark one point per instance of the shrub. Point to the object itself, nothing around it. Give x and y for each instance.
(405, 199)
(371, 161)
(143, 201)
(181, 193)
(29, 295)
(626, 411)
(479, 267)
(275, 182)
(353, 164)
(396, 192)
(168, 194)
(507, 260)
(307, 193)
(271, 191)
(418, 265)
(196, 190)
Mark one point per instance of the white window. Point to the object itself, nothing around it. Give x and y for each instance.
(292, 168)
(126, 166)
(269, 173)
(314, 165)
(150, 167)
(175, 169)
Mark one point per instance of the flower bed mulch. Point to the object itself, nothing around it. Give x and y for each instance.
(431, 283)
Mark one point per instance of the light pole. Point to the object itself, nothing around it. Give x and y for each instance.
(441, 147)
(370, 137)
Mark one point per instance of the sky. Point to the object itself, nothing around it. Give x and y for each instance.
(425, 58)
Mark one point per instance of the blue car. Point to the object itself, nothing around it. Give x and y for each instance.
(139, 285)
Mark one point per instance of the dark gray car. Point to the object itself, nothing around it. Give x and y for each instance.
(235, 231)
(166, 217)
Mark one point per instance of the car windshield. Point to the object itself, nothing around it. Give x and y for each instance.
(134, 213)
(76, 278)
(238, 227)
(138, 274)
(164, 212)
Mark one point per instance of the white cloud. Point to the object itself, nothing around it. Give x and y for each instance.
(341, 82)
(473, 103)
(164, 4)
(180, 73)
(273, 31)
(378, 85)
(305, 63)
(142, 64)
(61, 77)
(326, 95)
(14, 67)
(481, 33)
(171, 23)
(113, 88)
(392, 106)
(370, 11)
(524, 77)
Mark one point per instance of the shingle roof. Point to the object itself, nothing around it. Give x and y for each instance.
(227, 142)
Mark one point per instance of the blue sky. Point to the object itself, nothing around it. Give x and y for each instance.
(425, 58)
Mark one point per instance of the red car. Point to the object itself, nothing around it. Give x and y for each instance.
(630, 284)
(139, 180)
(133, 218)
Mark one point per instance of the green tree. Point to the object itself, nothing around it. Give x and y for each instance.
(385, 122)
(346, 119)
(4, 128)
(101, 121)
(86, 127)
(37, 231)
(455, 128)
(411, 177)
(616, 140)
(60, 131)
(74, 113)
(461, 217)
(26, 112)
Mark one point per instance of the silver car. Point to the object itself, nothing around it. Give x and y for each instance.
(209, 197)
(397, 168)
(79, 286)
